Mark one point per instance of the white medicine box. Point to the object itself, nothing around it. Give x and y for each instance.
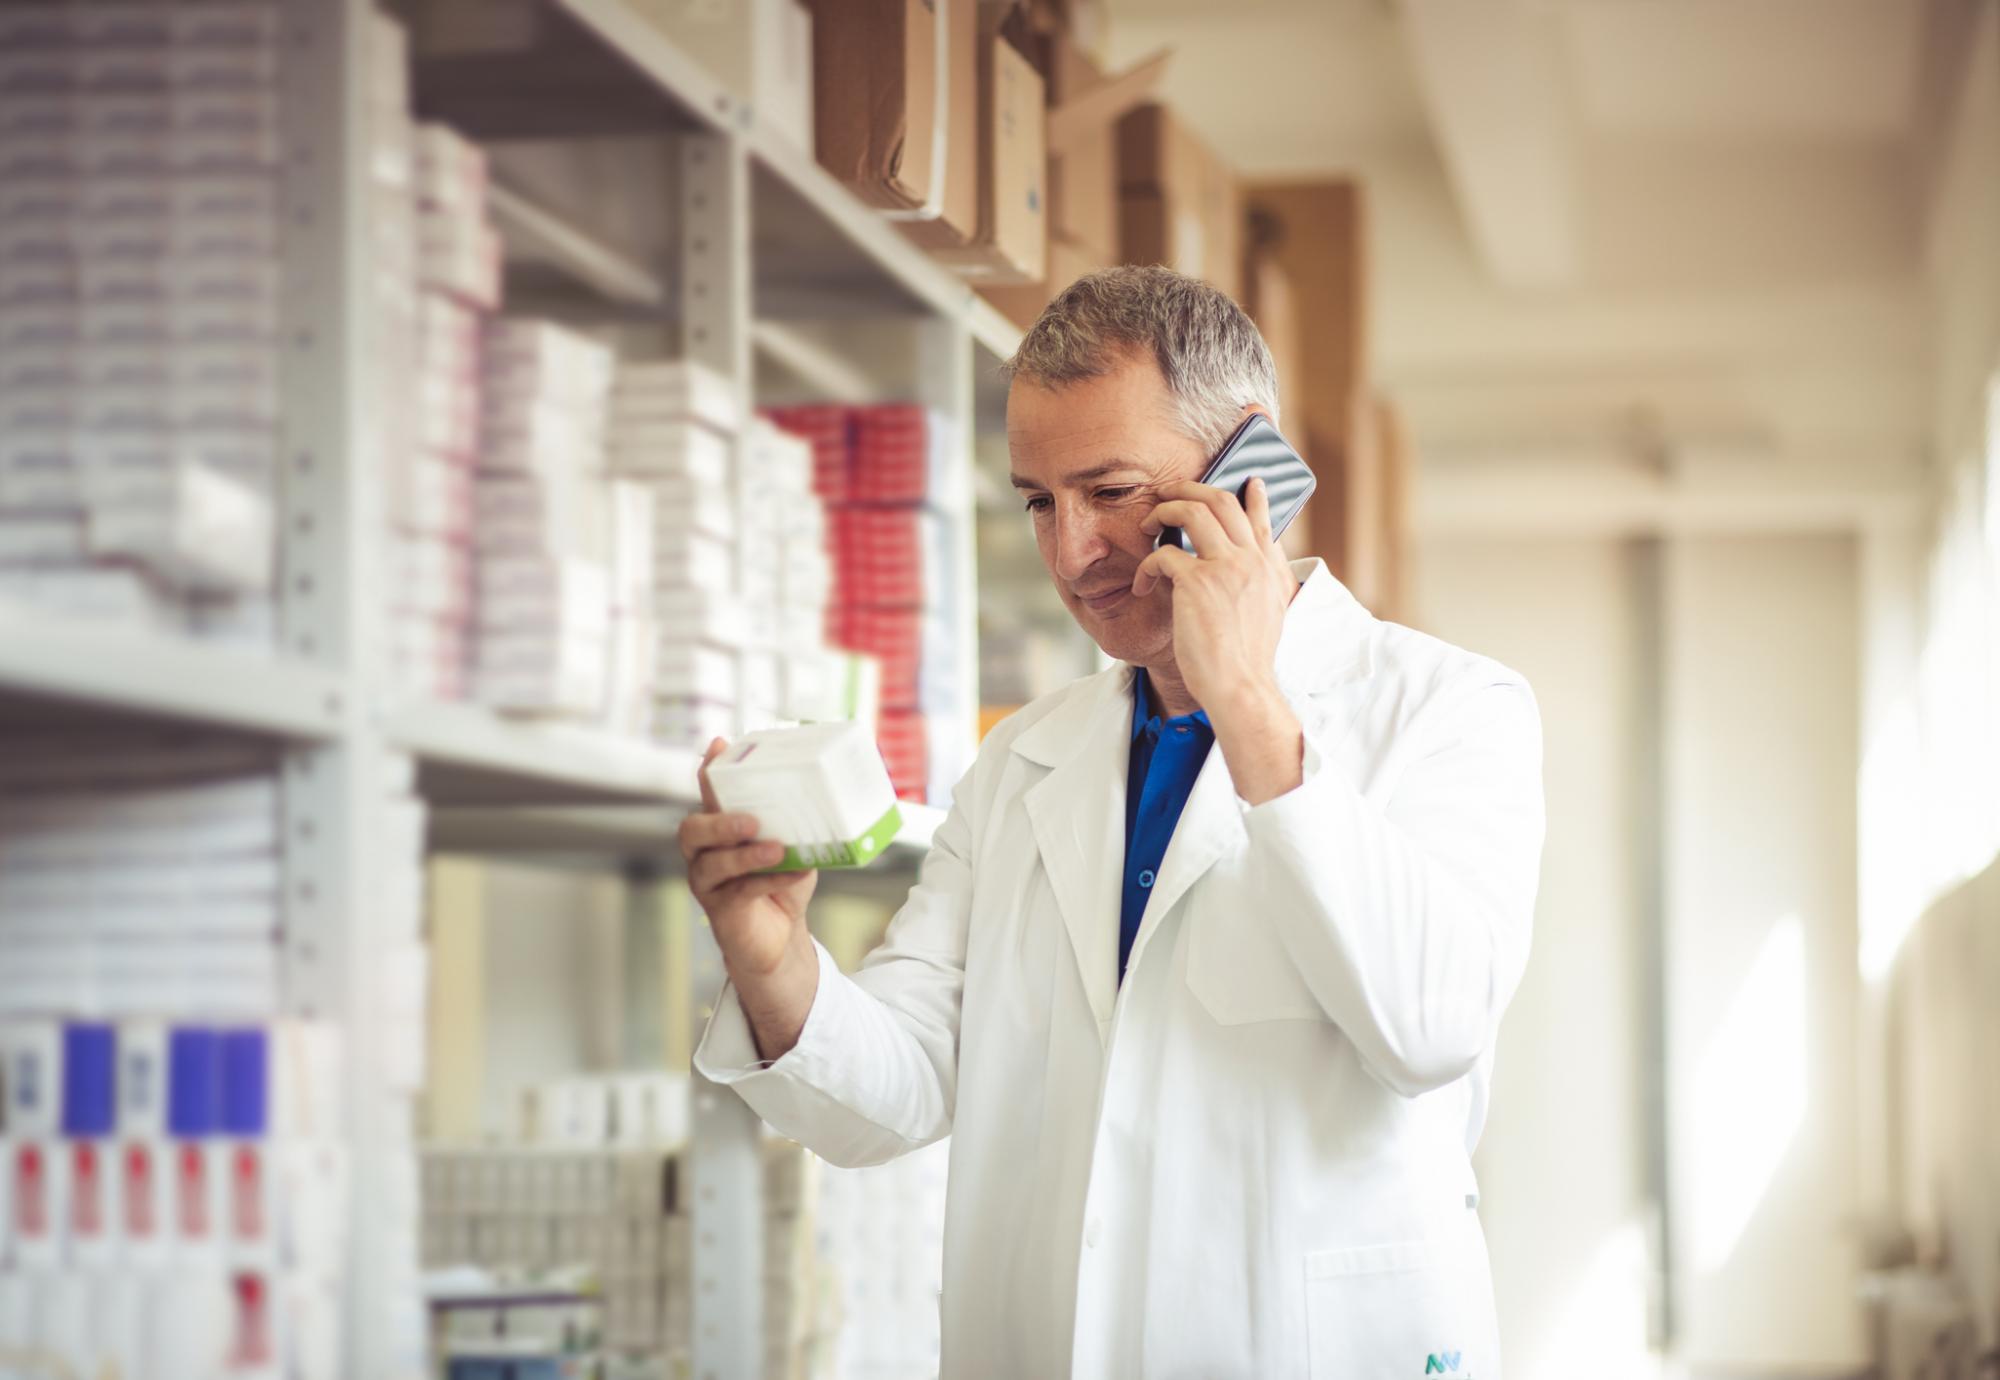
(821, 790)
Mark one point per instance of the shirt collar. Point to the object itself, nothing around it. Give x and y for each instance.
(1141, 719)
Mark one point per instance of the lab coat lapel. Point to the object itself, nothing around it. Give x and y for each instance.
(1077, 813)
(1210, 826)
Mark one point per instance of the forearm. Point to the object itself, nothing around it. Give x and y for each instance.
(1410, 918)
(776, 1003)
(1261, 741)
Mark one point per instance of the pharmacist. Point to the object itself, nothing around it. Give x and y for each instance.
(1203, 972)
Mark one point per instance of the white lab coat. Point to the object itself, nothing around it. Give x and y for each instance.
(1252, 1158)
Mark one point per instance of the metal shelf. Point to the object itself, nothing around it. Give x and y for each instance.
(828, 373)
(992, 332)
(54, 669)
(550, 69)
(469, 755)
(544, 233)
(819, 252)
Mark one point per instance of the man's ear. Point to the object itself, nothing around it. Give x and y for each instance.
(1255, 410)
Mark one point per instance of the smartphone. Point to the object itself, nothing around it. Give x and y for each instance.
(1255, 451)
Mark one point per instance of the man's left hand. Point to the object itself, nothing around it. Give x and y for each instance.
(1229, 610)
(1229, 601)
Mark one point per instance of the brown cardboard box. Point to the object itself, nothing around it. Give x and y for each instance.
(1274, 307)
(1317, 232)
(1021, 304)
(876, 103)
(1179, 204)
(1084, 109)
(1011, 245)
(958, 220)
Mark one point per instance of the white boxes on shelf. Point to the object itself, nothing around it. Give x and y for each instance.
(673, 426)
(565, 552)
(198, 529)
(138, 315)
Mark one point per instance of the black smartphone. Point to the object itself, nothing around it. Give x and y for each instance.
(1255, 451)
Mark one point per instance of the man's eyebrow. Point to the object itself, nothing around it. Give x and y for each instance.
(1080, 477)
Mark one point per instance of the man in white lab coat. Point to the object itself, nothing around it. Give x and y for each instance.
(1203, 972)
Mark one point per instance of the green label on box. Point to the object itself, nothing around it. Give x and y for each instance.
(855, 852)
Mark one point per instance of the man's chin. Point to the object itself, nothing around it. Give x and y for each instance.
(1122, 636)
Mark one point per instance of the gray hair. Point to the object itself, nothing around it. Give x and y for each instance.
(1209, 352)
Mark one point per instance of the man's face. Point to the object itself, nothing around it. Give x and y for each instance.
(1088, 459)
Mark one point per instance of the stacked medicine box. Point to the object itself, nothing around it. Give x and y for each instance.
(139, 305)
(142, 917)
(852, 1258)
(589, 1187)
(886, 472)
(565, 551)
(673, 430)
(174, 1198)
(853, 1263)
(436, 277)
(517, 575)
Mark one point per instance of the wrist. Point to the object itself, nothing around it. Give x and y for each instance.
(777, 1003)
(1263, 742)
(1251, 704)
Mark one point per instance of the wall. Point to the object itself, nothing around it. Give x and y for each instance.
(1716, 1075)
(1934, 956)
(1760, 724)
(1562, 1162)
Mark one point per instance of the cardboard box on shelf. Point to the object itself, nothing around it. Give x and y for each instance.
(957, 138)
(1085, 107)
(878, 108)
(1273, 305)
(1316, 231)
(1179, 204)
(1011, 244)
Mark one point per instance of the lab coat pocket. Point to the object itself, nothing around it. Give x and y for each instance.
(1403, 1310)
(1240, 973)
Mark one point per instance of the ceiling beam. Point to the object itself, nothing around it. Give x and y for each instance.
(1492, 76)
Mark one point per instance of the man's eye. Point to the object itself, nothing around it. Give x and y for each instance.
(1038, 504)
(1118, 491)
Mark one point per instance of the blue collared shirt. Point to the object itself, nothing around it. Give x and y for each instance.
(1166, 758)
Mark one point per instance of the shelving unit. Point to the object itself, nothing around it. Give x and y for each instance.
(769, 244)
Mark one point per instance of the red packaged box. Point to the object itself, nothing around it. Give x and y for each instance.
(829, 428)
(899, 734)
(895, 637)
(892, 445)
(877, 556)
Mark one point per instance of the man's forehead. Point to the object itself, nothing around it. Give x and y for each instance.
(1079, 433)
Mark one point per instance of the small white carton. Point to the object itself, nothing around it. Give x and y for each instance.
(820, 789)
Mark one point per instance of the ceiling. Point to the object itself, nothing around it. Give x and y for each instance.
(1553, 118)
(1707, 210)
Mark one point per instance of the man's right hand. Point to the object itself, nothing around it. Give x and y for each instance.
(759, 917)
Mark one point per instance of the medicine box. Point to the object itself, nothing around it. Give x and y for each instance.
(821, 790)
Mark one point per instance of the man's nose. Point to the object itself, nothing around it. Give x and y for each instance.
(1079, 543)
